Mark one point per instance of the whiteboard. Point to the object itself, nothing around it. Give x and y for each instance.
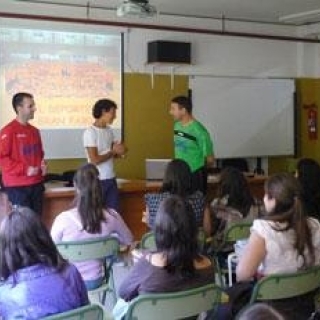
(246, 117)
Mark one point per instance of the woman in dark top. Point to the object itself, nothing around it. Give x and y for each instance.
(308, 174)
(176, 181)
(176, 264)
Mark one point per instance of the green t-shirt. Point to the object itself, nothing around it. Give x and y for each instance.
(192, 143)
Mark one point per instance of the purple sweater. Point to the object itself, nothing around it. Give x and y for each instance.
(41, 291)
(68, 227)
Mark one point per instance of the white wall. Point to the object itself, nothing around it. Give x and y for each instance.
(217, 55)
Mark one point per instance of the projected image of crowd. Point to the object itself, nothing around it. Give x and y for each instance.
(73, 80)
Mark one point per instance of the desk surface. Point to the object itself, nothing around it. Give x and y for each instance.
(54, 190)
(130, 186)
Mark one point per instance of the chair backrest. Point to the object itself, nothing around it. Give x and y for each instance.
(148, 241)
(178, 305)
(91, 249)
(237, 231)
(91, 312)
(282, 286)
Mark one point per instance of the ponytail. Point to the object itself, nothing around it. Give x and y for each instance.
(89, 200)
(303, 236)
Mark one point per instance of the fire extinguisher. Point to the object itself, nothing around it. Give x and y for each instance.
(312, 121)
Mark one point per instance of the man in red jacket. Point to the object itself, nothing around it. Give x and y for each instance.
(21, 156)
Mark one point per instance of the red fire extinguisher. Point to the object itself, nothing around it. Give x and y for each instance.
(312, 121)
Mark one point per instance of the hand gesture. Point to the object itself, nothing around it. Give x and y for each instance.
(119, 149)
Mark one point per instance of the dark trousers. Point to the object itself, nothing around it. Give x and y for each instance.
(27, 196)
(111, 193)
(200, 180)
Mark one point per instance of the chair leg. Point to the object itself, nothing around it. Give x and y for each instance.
(232, 257)
(218, 271)
(112, 286)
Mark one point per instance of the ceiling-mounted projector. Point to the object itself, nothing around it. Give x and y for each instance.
(140, 8)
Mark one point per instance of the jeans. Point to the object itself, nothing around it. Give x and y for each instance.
(111, 193)
(93, 284)
(27, 196)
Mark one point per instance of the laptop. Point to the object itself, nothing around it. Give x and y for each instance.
(155, 168)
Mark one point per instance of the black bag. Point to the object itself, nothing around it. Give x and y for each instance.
(239, 295)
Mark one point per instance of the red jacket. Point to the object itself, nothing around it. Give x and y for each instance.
(20, 147)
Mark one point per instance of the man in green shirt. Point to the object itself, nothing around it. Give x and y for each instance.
(192, 142)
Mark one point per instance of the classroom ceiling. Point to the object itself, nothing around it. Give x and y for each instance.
(248, 10)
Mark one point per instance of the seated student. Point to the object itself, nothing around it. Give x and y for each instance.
(89, 219)
(234, 203)
(176, 181)
(308, 174)
(285, 240)
(175, 265)
(35, 280)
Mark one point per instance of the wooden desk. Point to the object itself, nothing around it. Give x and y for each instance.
(58, 199)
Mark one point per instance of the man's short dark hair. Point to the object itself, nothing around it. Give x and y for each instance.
(183, 102)
(102, 105)
(18, 98)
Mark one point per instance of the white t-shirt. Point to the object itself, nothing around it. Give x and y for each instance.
(281, 256)
(102, 139)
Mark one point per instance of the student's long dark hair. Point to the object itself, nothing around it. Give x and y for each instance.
(24, 242)
(285, 189)
(89, 198)
(176, 235)
(177, 178)
(309, 177)
(235, 187)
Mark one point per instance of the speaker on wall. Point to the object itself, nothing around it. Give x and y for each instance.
(169, 51)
